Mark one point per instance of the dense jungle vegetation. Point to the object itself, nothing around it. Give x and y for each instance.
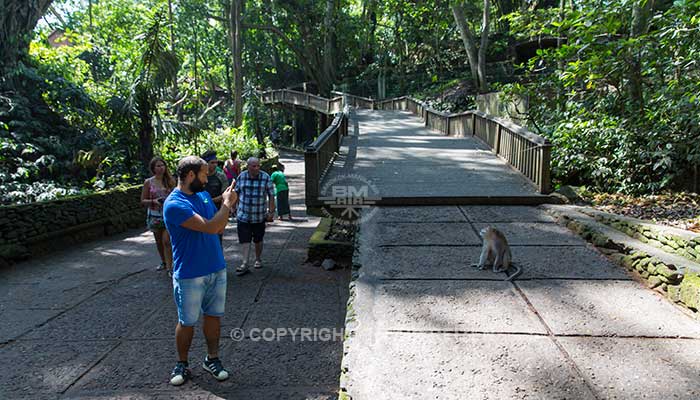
(90, 90)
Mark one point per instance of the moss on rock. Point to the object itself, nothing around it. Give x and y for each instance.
(690, 291)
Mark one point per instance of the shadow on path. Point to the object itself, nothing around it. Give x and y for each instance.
(97, 321)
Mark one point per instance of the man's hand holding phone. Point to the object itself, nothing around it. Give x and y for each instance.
(230, 196)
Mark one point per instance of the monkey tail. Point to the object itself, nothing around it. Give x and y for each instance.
(517, 273)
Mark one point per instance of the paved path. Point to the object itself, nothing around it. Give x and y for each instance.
(573, 326)
(98, 321)
(404, 159)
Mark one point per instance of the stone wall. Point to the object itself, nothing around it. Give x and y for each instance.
(36, 228)
(678, 284)
(494, 104)
(687, 246)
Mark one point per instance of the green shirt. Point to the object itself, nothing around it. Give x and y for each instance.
(280, 181)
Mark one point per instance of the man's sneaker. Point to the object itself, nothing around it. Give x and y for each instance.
(215, 367)
(258, 264)
(160, 267)
(180, 374)
(242, 270)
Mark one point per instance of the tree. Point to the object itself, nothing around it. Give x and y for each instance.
(235, 27)
(158, 71)
(639, 26)
(476, 58)
(18, 18)
(302, 21)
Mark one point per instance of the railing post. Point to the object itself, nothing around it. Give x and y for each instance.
(473, 124)
(545, 184)
(497, 139)
(447, 130)
(312, 173)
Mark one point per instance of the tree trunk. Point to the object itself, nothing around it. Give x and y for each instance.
(483, 81)
(18, 18)
(329, 48)
(468, 40)
(172, 43)
(236, 36)
(146, 127)
(276, 58)
(640, 25)
(194, 64)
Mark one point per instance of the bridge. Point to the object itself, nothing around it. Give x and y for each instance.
(414, 155)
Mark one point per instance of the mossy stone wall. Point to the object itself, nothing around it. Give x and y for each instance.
(36, 228)
(677, 284)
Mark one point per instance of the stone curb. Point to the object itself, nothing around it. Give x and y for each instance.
(671, 240)
(675, 277)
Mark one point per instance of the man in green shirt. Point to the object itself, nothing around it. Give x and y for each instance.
(282, 192)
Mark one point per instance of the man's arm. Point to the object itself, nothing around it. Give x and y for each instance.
(271, 196)
(218, 223)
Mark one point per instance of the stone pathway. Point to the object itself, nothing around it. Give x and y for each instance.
(97, 321)
(423, 324)
(410, 164)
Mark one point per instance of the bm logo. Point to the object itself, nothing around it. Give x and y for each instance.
(348, 195)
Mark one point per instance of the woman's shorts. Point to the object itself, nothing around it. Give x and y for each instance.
(155, 222)
(204, 294)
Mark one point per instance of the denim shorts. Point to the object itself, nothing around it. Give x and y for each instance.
(205, 294)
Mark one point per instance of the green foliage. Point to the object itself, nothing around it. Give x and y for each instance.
(581, 95)
(223, 141)
(132, 77)
(20, 193)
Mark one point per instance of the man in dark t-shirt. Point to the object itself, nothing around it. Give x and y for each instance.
(216, 181)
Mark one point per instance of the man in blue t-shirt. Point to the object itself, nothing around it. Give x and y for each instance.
(199, 270)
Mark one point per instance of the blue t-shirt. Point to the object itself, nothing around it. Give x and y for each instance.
(194, 253)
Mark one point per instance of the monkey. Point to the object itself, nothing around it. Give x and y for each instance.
(496, 250)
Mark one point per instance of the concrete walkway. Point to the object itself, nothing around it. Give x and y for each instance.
(424, 324)
(398, 155)
(98, 321)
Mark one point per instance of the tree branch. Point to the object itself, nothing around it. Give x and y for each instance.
(301, 57)
(215, 18)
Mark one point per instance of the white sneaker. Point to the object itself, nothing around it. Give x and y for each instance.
(215, 368)
(242, 270)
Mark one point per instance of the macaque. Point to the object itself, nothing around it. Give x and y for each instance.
(496, 251)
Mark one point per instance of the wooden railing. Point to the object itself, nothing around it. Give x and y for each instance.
(525, 151)
(319, 156)
(302, 99)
